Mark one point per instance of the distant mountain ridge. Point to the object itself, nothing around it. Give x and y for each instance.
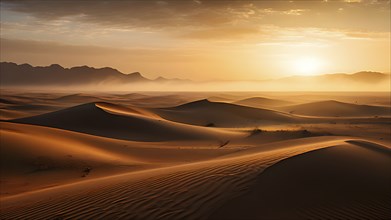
(12, 74)
(363, 76)
(25, 74)
(55, 74)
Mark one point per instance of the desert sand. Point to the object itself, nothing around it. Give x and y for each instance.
(195, 156)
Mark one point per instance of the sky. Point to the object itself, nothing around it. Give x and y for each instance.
(201, 39)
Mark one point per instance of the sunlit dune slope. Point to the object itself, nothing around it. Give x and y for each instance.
(34, 157)
(348, 181)
(108, 120)
(206, 113)
(190, 191)
(258, 136)
(334, 108)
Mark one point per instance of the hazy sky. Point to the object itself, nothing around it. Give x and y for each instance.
(200, 39)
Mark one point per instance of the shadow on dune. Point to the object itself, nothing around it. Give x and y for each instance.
(340, 182)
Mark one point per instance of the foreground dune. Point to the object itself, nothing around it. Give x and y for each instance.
(200, 190)
(348, 181)
(35, 157)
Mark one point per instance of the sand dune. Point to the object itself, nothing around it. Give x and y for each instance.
(78, 98)
(6, 114)
(190, 191)
(6, 101)
(32, 107)
(217, 114)
(337, 109)
(36, 157)
(92, 119)
(132, 96)
(198, 160)
(127, 111)
(25, 110)
(21, 105)
(345, 181)
(161, 101)
(219, 99)
(262, 102)
(257, 137)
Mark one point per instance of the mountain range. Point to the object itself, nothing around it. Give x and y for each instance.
(25, 74)
(363, 76)
(12, 74)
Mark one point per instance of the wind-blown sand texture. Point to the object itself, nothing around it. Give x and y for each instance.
(200, 160)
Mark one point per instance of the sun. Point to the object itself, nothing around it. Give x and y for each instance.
(307, 65)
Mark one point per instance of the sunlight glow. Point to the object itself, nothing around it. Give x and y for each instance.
(307, 65)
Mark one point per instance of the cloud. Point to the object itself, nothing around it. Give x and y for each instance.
(353, 1)
(354, 35)
(125, 13)
(179, 14)
(26, 48)
(222, 33)
(128, 23)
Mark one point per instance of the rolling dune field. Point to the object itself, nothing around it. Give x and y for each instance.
(113, 158)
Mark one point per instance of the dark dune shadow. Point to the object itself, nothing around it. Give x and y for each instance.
(371, 146)
(340, 182)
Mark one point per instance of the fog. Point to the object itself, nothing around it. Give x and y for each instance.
(284, 85)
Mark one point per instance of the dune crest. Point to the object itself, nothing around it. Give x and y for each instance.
(187, 191)
(120, 110)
